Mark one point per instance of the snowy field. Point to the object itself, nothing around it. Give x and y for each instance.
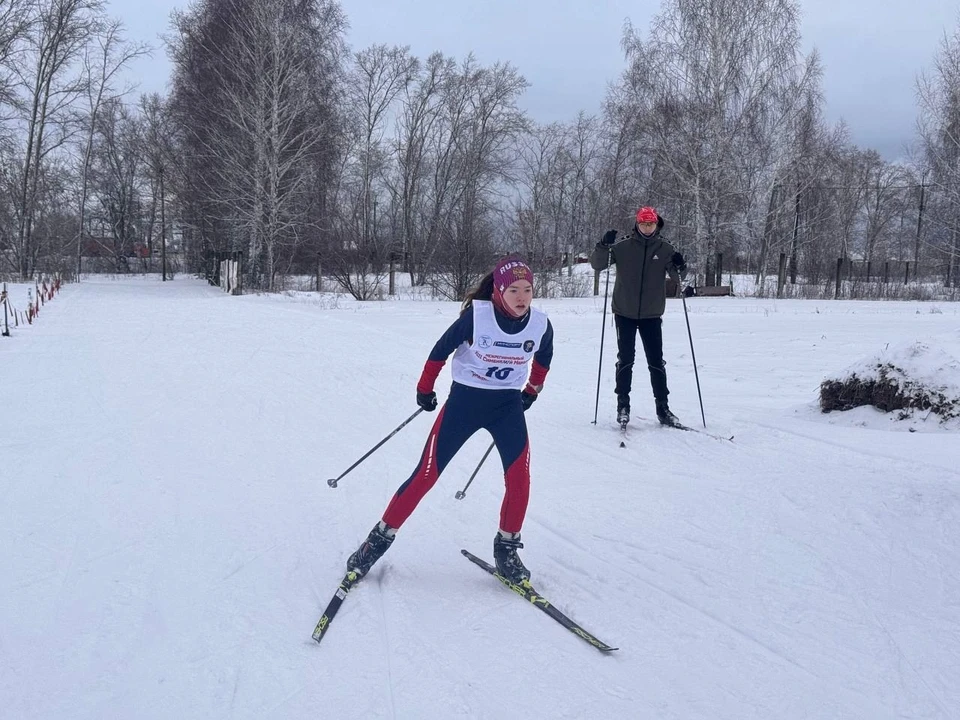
(168, 540)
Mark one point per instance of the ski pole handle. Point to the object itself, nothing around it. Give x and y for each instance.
(332, 482)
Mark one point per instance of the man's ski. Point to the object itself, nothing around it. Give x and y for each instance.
(676, 426)
(681, 426)
(349, 580)
(537, 600)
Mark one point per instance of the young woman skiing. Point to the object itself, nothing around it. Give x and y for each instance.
(493, 341)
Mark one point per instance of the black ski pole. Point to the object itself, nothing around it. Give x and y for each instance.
(332, 482)
(603, 328)
(461, 493)
(694, 356)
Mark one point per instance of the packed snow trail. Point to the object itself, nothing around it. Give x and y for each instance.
(168, 540)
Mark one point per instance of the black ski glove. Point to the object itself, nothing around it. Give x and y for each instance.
(609, 238)
(680, 264)
(527, 399)
(427, 401)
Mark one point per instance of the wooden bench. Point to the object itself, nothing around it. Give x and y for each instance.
(716, 291)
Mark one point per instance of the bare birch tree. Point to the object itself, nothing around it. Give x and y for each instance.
(159, 150)
(939, 128)
(418, 166)
(117, 176)
(246, 95)
(491, 125)
(15, 24)
(712, 77)
(378, 76)
(50, 84)
(103, 59)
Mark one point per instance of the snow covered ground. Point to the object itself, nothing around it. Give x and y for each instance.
(168, 541)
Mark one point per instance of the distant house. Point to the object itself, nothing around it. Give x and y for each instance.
(93, 247)
(103, 247)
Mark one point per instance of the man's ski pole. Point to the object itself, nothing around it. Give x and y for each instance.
(694, 356)
(603, 327)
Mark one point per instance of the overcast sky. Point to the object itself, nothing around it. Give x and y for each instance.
(872, 50)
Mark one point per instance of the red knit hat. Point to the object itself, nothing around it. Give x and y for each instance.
(647, 215)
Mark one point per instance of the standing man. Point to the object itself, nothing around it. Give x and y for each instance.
(639, 299)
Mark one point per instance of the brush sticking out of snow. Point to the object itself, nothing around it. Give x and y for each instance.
(910, 382)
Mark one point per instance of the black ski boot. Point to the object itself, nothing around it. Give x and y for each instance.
(665, 416)
(505, 546)
(623, 409)
(370, 550)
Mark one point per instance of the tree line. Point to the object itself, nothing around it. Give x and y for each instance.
(278, 141)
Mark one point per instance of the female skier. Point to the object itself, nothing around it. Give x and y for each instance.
(492, 342)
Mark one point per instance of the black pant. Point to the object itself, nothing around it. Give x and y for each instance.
(651, 335)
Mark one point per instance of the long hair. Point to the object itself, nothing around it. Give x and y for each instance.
(483, 290)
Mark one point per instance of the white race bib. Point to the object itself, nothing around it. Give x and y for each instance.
(497, 360)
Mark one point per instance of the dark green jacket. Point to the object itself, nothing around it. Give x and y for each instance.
(642, 265)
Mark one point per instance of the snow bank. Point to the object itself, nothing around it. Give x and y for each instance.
(909, 381)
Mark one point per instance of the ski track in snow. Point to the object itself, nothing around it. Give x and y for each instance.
(168, 539)
(684, 601)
